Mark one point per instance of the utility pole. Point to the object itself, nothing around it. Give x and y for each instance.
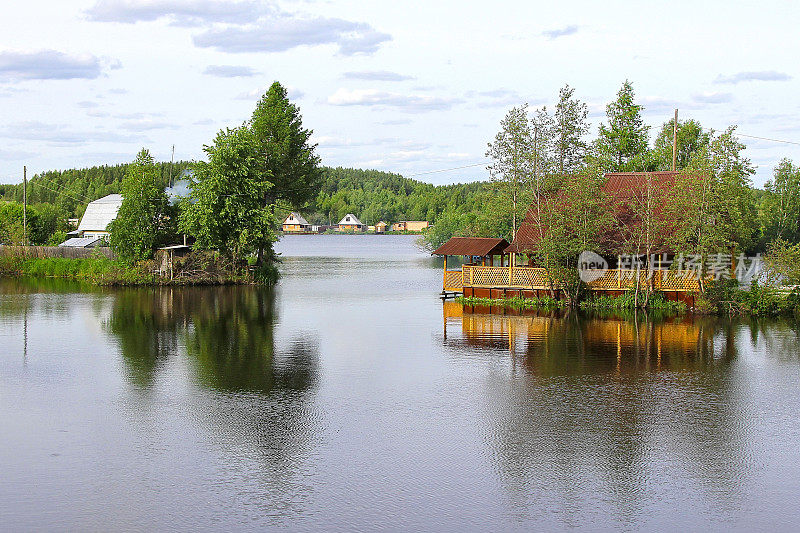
(675, 140)
(171, 162)
(24, 205)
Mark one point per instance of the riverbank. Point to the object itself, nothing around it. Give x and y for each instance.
(194, 269)
(719, 299)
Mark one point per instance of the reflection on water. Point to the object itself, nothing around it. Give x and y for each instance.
(556, 342)
(227, 332)
(559, 417)
(351, 398)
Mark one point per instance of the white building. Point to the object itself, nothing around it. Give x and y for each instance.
(98, 216)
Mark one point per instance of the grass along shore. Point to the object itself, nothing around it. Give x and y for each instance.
(199, 268)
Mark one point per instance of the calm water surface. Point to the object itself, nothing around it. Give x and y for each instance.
(350, 398)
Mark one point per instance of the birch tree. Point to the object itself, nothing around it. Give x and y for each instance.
(513, 164)
(570, 126)
(781, 206)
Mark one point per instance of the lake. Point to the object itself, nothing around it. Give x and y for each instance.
(350, 397)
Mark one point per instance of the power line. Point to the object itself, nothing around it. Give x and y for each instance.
(445, 170)
(767, 139)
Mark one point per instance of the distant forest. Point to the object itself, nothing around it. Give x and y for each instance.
(371, 195)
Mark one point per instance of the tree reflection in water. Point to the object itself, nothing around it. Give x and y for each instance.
(600, 404)
(254, 400)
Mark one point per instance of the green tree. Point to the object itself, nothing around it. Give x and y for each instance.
(227, 210)
(286, 157)
(571, 222)
(715, 199)
(570, 128)
(690, 139)
(780, 211)
(143, 218)
(514, 160)
(12, 225)
(622, 143)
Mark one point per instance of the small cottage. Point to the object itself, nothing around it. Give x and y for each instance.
(381, 227)
(98, 215)
(350, 223)
(295, 223)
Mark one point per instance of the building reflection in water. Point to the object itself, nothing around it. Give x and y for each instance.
(608, 406)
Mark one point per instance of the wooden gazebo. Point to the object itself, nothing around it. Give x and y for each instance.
(477, 251)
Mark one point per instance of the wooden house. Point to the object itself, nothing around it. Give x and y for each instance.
(295, 223)
(410, 225)
(381, 227)
(351, 223)
(623, 192)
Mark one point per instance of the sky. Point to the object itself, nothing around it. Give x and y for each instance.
(417, 88)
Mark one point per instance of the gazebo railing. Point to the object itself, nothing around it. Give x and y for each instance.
(522, 277)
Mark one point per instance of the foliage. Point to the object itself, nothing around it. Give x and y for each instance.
(43, 220)
(780, 212)
(622, 144)
(227, 211)
(715, 200)
(690, 139)
(250, 169)
(630, 301)
(570, 127)
(783, 262)
(571, 223)
(286, 159)
(724, 296)
(516, 155)
(143, 221)
(374, 196)
(70, 190)
(544, 302)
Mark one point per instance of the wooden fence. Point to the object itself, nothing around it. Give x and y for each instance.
(39, 252)
(521, 277)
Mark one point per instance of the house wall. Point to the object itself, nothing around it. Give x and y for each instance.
(416, 225)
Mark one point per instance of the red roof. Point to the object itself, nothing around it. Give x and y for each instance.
(622, 190)
(472, 246)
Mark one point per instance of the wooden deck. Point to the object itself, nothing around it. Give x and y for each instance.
(535, 279)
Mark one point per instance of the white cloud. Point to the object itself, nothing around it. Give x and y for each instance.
(409, 103)
(229, 71)
(50, 65)
(278, 34)
(376, 75)
(712, 98)
(179, 12)
(763, 75)
(561, 32)
(61, 134)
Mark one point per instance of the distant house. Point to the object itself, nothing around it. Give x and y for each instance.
(410, 225)
(381, 227)
(98, 215)
(295, 223)
(351, 223)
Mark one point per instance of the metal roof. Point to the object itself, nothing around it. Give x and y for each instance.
(472, 246)
(350, 218)
(298, 219)
(621, 190)
(100, 213)
(81, 242)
